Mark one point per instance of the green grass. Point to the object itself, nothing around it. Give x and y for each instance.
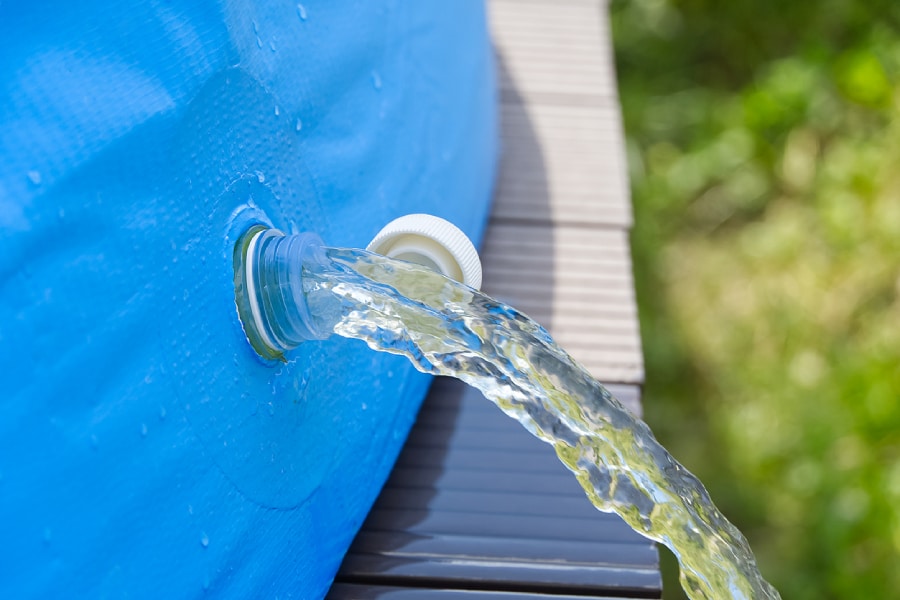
(764, 150)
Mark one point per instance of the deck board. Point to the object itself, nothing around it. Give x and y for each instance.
(477, 503)
(556, 165)
(554, 49)
(476, 508)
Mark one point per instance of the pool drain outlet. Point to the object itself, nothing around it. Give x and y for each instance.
(268, 274)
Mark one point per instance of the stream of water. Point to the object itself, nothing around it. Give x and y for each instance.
(446, 328)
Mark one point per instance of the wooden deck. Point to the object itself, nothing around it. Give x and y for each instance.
(476, 508)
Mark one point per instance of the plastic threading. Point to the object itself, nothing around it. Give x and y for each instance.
(269, 289)
(255, 311)
(246, 298)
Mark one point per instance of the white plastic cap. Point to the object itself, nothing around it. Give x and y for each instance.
(432, 242)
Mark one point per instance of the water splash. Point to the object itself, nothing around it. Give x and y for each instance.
(446, 328)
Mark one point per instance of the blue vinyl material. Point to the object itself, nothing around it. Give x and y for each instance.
(145, 452)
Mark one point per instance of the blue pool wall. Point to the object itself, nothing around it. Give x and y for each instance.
(145, 451)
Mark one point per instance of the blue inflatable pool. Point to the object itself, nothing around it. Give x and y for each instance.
(145, 450)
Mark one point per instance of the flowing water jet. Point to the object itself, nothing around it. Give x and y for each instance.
(295, 289)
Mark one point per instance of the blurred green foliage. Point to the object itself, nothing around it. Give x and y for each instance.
(764, 151)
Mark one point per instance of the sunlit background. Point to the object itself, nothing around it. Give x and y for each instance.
(764, 150)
